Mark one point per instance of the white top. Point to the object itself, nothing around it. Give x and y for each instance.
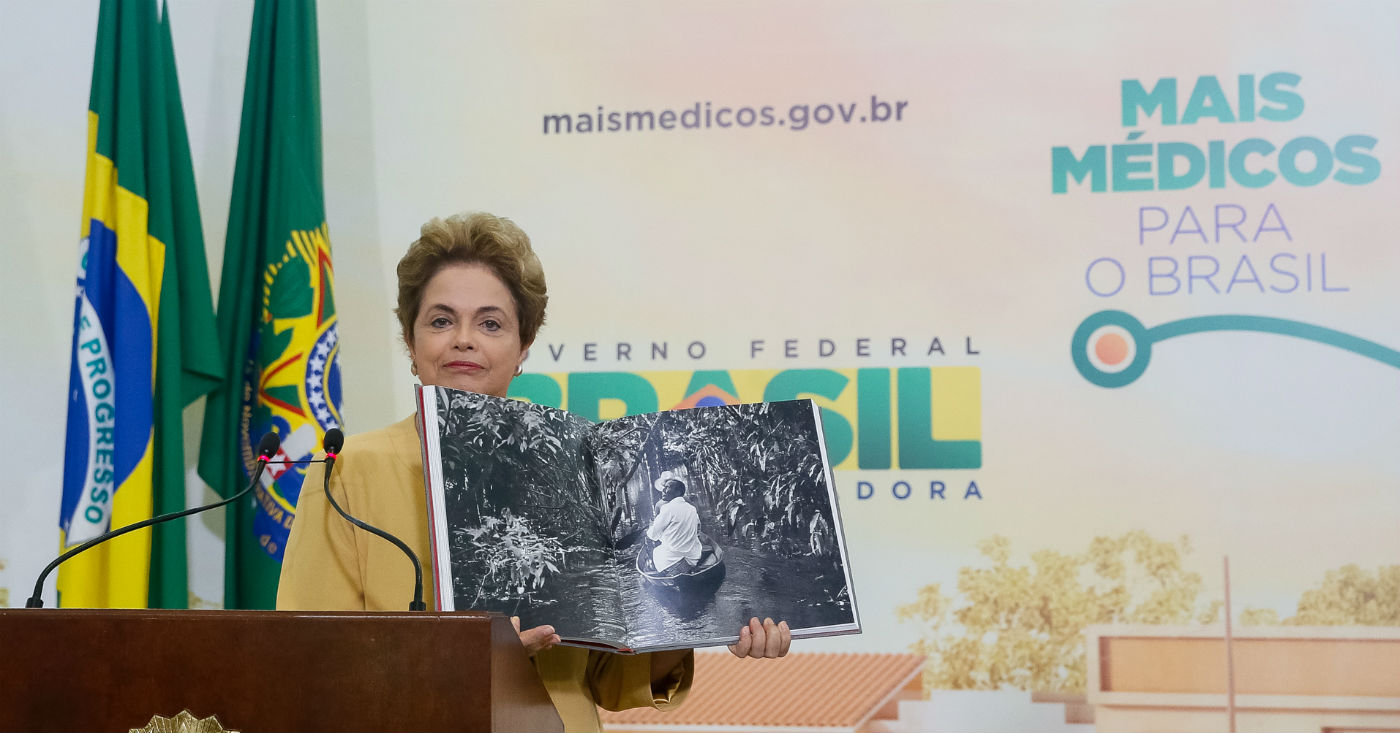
(677, 528)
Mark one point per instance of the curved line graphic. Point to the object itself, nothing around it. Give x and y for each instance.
(1145, 338)
(1281, 326)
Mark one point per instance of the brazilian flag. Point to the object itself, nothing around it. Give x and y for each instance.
(277, 323)
(142, 327)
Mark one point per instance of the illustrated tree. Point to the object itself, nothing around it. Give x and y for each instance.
(1021, 626)
(1347, 596)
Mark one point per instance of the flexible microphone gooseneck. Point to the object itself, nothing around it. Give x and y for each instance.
(267, 447)
(334, 441)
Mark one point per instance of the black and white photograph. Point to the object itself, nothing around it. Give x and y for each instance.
(655, 531)
(719, 513)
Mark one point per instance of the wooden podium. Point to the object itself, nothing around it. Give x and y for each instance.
(106, 670)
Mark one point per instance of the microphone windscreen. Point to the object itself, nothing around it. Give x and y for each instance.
(269, 444)
(333, 441)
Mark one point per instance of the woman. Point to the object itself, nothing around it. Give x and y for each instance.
(471, 299)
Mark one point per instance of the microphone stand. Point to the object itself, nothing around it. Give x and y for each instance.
(417, 603)
(37, 601)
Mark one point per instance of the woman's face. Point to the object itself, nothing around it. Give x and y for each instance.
(467, 335)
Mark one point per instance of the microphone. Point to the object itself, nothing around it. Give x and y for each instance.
(333, 442)
(267, 447)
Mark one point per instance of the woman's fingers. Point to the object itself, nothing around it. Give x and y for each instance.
(751, 640)
(760, 638)
(741, 649)
(766, 640)
(773, 637)
(537, 639)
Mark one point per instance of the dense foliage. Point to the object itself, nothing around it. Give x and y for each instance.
(1347, 596)
(762, 472)
(514, 472)
(515, 558)
(1023, 626)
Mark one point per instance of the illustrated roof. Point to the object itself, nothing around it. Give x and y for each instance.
(798, 691)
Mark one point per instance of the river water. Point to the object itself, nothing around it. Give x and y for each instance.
(580, 602)
(801, 591)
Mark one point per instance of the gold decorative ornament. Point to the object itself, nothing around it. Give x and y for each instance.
(183, 723)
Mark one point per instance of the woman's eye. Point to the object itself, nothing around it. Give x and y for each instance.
(491, 325)
(440, 322)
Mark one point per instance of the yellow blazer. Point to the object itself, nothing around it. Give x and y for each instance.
(330, 564)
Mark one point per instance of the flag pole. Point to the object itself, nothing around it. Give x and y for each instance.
(1229, 653)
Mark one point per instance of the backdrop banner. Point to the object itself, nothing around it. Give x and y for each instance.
(1089, 307)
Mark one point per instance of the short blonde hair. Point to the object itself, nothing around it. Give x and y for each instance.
(474, 239)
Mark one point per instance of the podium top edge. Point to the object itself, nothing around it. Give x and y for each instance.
(224, 615)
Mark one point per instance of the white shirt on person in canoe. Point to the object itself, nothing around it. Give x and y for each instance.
(677, 530)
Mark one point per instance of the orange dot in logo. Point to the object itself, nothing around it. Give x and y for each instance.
(1111, 349)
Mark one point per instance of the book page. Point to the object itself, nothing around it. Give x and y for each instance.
(751, 527)
(518, 508)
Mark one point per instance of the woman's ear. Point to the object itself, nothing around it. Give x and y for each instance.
(412, 360)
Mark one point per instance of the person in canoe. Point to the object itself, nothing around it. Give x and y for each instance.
(675, 530)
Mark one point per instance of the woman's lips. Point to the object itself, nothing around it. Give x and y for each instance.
(464, 366)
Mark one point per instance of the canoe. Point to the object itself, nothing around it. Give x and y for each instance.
(706, 576)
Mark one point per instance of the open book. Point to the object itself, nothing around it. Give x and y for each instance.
(660, 531)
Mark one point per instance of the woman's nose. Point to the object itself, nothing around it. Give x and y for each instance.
(464, 339)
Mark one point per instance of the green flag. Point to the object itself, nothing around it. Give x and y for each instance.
(277, 318)
(142, 347)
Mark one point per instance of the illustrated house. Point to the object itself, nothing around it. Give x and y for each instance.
(801, 692)
(1284, 678)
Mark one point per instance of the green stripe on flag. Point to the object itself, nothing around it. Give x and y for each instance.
(188, 360)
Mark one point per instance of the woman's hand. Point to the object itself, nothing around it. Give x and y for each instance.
(763, 641)
(537, 639)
